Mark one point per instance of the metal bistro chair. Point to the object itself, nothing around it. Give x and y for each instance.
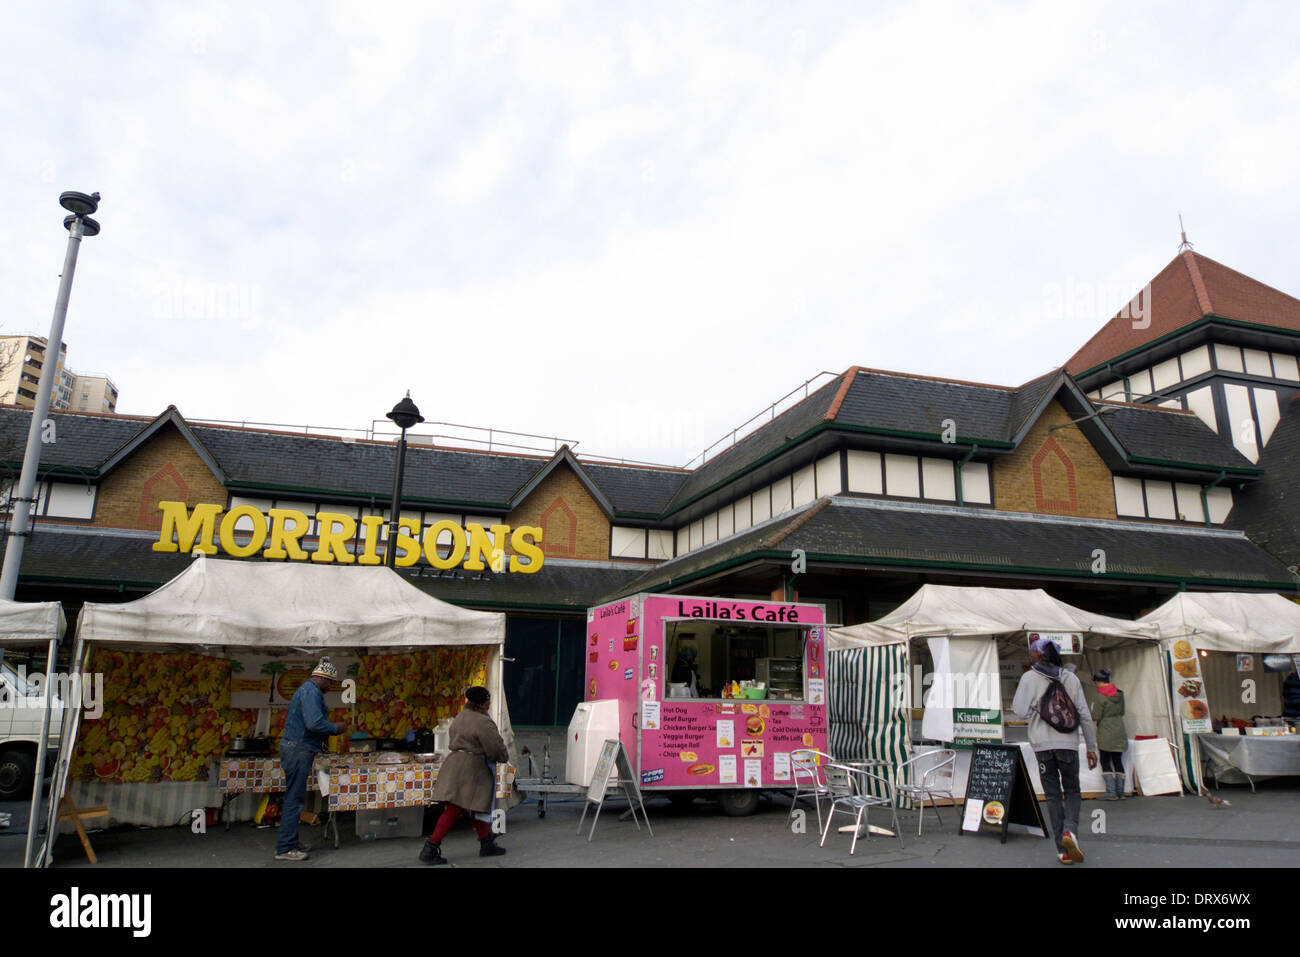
(934, 780)
(805, 766)
(850, 791)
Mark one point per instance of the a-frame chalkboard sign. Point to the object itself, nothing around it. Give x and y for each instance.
(613, 757)
(999, 792)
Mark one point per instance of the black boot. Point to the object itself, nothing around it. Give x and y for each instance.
(488, 847)
(431, 853)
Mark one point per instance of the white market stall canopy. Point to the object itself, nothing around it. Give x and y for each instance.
(958, 612)
(1230, 621)
(29, 623)
(231, 604)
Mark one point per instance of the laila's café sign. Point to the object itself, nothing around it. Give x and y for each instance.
(278, 533)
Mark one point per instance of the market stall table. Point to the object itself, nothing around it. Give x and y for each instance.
(1253, 756)
(373, 785)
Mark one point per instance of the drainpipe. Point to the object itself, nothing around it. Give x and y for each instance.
(961, 499)
(1205, 501)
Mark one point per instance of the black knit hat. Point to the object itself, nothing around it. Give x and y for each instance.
(477, 695)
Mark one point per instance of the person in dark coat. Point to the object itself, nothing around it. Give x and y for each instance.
(1112, 738)
(466, 780)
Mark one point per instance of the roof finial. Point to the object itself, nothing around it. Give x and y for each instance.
(1184, 245)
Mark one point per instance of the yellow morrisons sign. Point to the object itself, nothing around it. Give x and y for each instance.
(278, 533)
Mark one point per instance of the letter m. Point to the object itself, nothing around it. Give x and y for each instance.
(179, 523)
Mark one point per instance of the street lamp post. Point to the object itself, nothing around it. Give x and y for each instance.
(404, 415)
(78, 224)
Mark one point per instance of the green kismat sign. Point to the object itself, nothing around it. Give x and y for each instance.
(972, 726)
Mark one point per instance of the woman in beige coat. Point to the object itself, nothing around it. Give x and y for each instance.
(466, 781)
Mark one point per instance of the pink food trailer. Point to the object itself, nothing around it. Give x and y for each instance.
(666, 659)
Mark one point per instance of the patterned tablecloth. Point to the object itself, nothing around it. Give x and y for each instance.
(354, 781)
(411, 784)
(264, 775)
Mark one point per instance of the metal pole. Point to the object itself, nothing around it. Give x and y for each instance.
(390, 552)
(38, 779)
(68, 728)
(18, 529)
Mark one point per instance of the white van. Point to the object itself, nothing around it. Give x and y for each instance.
(22, 709)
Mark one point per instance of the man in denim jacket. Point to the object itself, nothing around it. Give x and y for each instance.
(305, 729)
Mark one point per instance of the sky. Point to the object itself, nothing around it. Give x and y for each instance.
(627, 226)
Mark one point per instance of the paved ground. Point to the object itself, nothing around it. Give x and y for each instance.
(1258, 830)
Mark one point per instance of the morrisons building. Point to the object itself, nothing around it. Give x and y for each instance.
(1159, 457)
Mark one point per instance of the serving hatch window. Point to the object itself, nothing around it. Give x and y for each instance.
(722, 652)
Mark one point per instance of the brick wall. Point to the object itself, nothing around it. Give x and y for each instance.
(573, 525)
(165, 468)
(1055, 473)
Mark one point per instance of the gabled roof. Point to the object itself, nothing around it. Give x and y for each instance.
(1192, 286)
(173, 418)
(917, 409)
(563, 457)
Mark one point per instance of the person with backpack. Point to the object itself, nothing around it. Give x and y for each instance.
(1052, 700)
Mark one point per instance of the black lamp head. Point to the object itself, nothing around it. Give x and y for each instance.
(79, 204)
(405, 414)
(88, 226)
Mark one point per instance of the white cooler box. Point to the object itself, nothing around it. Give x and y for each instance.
(593, 723)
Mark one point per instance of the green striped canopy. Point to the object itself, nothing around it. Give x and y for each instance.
(869, 706)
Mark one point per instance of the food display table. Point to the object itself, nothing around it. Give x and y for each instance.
(354, 787)
(1229, 757)
(350, 782)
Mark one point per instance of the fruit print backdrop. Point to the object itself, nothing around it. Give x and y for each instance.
(167, 716)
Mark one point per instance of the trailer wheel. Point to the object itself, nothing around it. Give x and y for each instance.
(16, 775)
(741, 802)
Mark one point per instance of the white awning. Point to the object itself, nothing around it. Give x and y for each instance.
(957, 612)
(232, 604)
(30, 623)
(1231, 621)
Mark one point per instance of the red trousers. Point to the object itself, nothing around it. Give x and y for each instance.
(448, 820)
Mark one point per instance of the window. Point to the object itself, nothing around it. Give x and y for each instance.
(740, 651)
(864, 472)
(975, 484)
(902, 476)
(627, 542)
(939, 479)
(661, 544)
(828, 476)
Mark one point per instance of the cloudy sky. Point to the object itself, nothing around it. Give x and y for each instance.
(630, 225)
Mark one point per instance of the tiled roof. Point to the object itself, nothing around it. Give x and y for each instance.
(635, 489)
(1171, 435)
(303, 464)
(865, 533)
(1268, 511)
(82, 441)
(1190, 287)
(259, 459)
(790, 424)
